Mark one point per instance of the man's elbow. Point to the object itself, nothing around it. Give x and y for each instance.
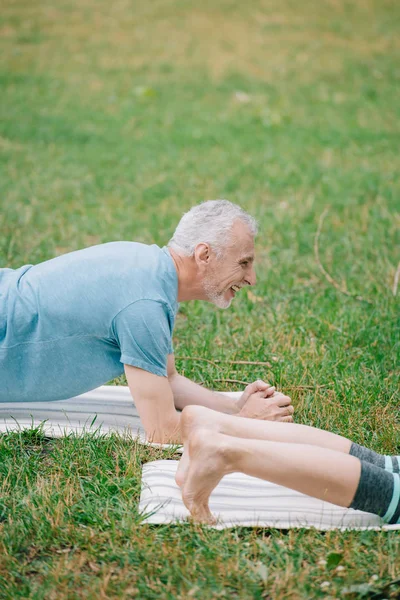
(172, 376)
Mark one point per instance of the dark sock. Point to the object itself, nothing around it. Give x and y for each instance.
(390, 463)
(378, 492)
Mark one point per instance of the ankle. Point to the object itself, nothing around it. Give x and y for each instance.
(231, 452)
(216, 448)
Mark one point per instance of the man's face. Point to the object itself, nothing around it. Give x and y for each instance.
(233, 270)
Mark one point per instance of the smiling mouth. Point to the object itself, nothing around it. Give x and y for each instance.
(235, 288)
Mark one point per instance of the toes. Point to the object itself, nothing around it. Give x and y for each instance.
(179, 480)
(199, 510)
(181, 472)
(202, 514)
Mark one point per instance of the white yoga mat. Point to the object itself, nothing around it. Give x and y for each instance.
(109, 408)
(240, 500)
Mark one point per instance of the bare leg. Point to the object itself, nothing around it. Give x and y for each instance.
(198, 417)
(324, 473)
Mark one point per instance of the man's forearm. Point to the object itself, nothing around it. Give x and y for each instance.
(187, 392)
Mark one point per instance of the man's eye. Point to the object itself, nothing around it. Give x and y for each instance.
(245, 263)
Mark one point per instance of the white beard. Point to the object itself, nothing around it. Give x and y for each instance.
(214, 296)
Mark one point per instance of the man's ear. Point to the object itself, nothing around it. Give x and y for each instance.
(202, 254)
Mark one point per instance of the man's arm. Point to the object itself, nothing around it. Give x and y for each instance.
(187, 392)
(155, 403)
(259, 400)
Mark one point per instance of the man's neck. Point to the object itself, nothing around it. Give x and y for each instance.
(188, 279)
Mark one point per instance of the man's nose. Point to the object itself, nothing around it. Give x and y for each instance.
(251, 277)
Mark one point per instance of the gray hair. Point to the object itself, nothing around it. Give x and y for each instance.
(209, 222)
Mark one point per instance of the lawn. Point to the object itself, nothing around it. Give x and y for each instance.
(114, 119)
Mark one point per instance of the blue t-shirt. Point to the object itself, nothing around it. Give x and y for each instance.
(69, 324)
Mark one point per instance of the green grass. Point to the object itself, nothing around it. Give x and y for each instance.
(114, 119)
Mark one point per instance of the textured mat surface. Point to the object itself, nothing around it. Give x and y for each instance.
(240, 500)
(109, 407)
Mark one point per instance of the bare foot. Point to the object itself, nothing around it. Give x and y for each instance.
(208, 464)
(183, 466)
(193, 418)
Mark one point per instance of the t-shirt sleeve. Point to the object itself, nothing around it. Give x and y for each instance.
(143, 332)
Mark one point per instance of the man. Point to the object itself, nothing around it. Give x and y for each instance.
(77, 321)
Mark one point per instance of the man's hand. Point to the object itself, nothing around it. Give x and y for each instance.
(257, 386)
(265, 403)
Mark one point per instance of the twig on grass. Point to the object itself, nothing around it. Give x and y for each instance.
(228, 381)
(246, 362)
(227, 362)
(207, 360)
(306, 387)
(232, 381)
(288, 387)
(327, 276)
(396, 280)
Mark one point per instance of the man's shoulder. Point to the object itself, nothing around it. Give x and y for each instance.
(126, 272)
(106, 254)
(124, 248)
(116, 257)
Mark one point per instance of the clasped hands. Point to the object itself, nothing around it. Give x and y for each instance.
(261, 401)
